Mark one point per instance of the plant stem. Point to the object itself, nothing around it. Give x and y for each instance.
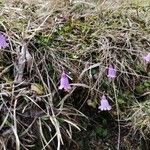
(118, 116)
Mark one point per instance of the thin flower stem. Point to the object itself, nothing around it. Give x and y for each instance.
(118, 116)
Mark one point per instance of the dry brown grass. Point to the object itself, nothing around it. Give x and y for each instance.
(83, 38)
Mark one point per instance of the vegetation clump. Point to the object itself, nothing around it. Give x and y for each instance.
(74, 75)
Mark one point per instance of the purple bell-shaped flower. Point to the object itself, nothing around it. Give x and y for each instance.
(111, 72)
(3, 43)
(104, 105)
(64, 82)
(147, 57)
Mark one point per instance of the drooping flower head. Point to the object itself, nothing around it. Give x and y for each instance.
(147, 57)
(111, 72)
(104, 105)
(64, 82)
(3, 43)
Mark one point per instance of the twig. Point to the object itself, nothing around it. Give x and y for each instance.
(23, 57)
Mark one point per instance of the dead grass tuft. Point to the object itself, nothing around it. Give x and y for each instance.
(82, 38)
